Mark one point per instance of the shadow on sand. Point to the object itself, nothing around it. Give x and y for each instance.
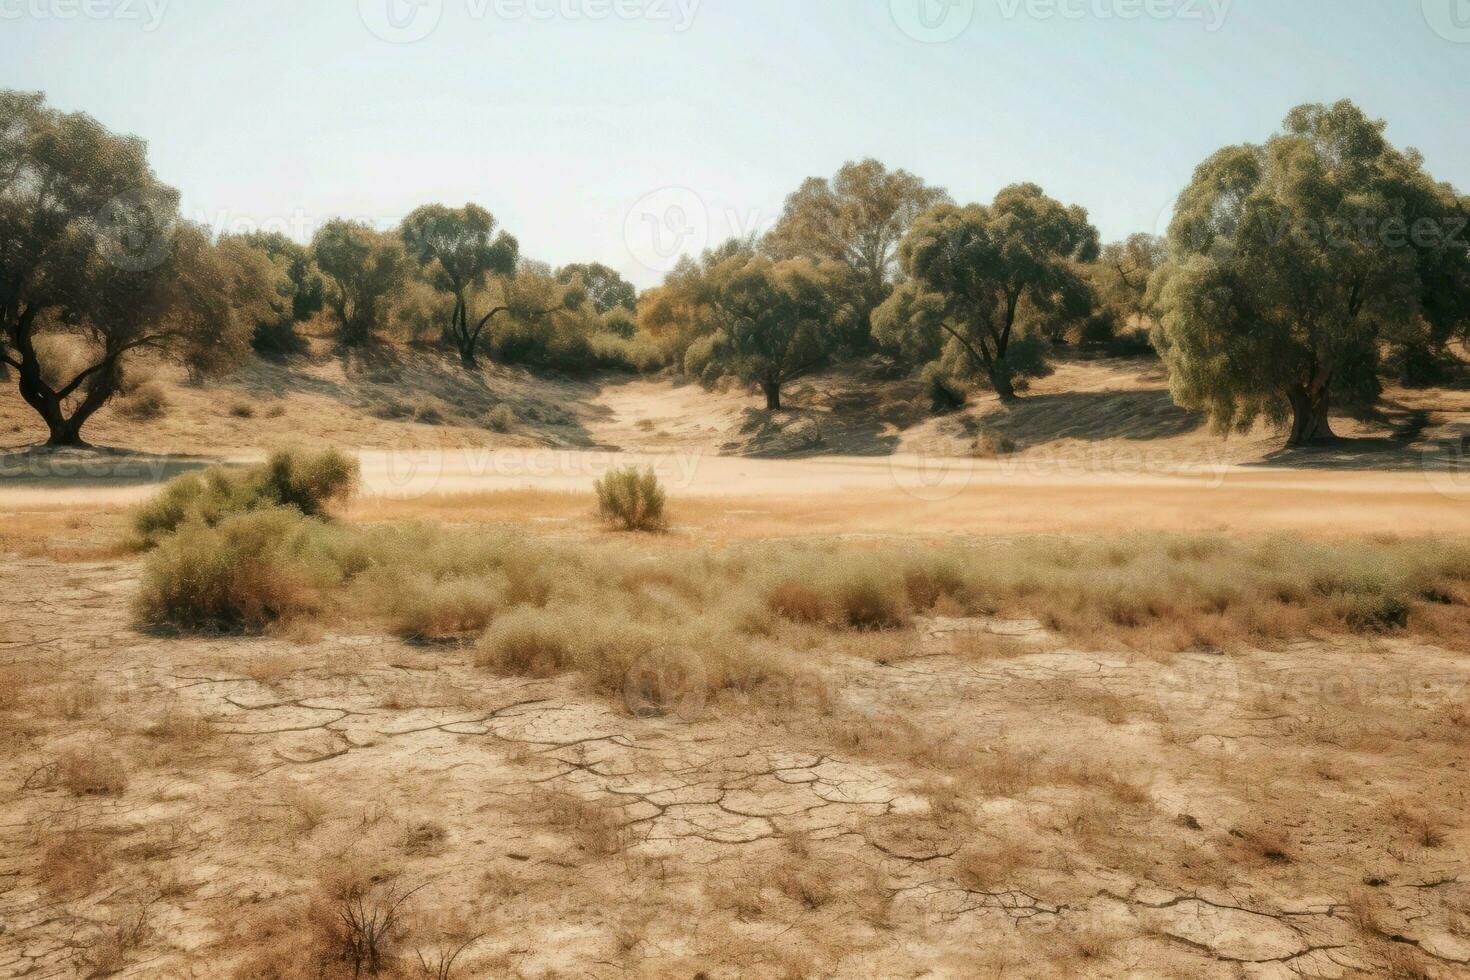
(94, 466)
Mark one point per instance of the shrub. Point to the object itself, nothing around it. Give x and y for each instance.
(422, 608)
(871, 602)
(535, 642)
(945, 393)
(501, 418)
(631, 499)
(142, 403)
(992, 443)
(242, 410)
(307, 482)
(247, 573)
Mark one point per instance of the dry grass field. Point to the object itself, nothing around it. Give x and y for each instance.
(1129, 701)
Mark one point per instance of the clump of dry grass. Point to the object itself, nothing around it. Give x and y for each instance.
(501, 418)
(249, 572)
(631, 500)
(92, 772)
(305, 482)
(143, 402)
(73, 862)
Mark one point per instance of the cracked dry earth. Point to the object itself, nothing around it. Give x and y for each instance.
(964, 799)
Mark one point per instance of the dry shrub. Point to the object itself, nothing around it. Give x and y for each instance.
(92, 772)
(247, 573)
(143, 402)
(119, 939)
(990, 866)
(599, 830)
(306, 482)
(420, 608)
(798, 602)
(631, 500)
(501, 418)
(992, 443)
(528, 641)
(241, 409)
(810, 885)
(73, 862)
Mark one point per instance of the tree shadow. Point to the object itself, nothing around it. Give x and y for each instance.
(431, 386)
(1035, 420)
(1393, 452)
(93, 466)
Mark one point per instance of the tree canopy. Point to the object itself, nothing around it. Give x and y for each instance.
(776, 319)
(605, 288)
(92, 249)
(969, 269)
(363, 268)
(858, 218)
(1290, 261)
(457, 249)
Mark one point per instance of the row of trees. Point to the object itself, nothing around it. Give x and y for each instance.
(1293, 272)
(97, 266)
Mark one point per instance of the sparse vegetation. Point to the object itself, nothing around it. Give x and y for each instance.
(631, 500)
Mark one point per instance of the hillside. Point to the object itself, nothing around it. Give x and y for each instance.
(1090, 411)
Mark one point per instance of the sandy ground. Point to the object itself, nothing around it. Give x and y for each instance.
(967, 799)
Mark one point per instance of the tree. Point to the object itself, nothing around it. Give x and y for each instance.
(858, 218)
(362, 267)
(1290, 262)
(92, 250)
(1119, 280)
(681, 312)
(606, 289)
(457, 250)
(296, 288)
(969, 268)
(776, 318)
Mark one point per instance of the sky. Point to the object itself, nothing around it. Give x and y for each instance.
(631, 131)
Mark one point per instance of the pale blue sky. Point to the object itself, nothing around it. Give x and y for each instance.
(291, 111)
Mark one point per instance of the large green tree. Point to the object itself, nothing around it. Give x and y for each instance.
(858, 218)
(363, 269)
(776, 319)
(969, 269)
(457, 250)
(1288, 264)
(93, 253)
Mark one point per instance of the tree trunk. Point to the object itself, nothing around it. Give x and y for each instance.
(773, 395)
(65, 433)
(1310, 416)
(467, 355)
(1000, 380)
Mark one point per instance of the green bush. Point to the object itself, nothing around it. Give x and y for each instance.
(306, 482)
(631, 499)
